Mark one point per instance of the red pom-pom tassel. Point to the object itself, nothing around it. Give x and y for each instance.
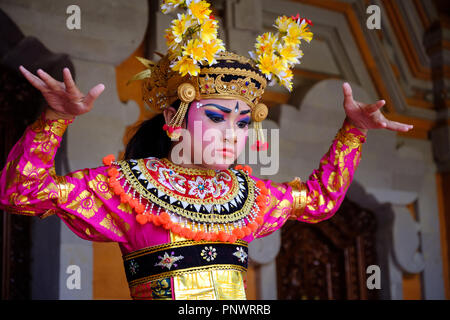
(259, 220)
(176, 228)
(133, 202)
(109, 159)
(168, 225)
(223, 236)
(232, 238)
(139, 208)
(208, 236)
(113, 172)
(156, 221)
(238, 233)
(118, 190)
(186, 233)
(164, 218)
(141, 219)
(247, 231)
(253, 226)
(199, 236)
(124, 197)
(214, 236)
(260, 184)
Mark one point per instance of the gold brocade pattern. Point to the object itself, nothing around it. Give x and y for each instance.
(100, 184)
(281, 209)
(44, 142)
(298, 196)
(339, 179)
(213, 87)
(208, 284)
(86, 204)
(65, 188)
(110, 224)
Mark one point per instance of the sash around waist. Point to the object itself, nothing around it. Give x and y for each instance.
(171, 259)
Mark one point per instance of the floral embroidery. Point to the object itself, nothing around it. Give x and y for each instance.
(230, 198)
(168, 261)
(240, 254)
(200, 187)
(133, 267)
(161, 289)
(209, 253)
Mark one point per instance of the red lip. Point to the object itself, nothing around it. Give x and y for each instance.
(226, 150)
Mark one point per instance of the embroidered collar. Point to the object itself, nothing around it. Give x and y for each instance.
(197, 204)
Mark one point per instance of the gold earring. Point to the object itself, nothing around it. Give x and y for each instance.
(186, 93)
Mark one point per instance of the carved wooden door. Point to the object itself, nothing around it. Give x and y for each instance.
(328, 260)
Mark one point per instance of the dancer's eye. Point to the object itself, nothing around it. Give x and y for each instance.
(214, 116)
(244, 122)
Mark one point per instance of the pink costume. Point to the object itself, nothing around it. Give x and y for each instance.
(85, 202)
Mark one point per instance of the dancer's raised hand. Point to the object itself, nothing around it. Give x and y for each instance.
(64, 99)
(368, 116)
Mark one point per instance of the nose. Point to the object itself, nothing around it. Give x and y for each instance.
(230, 135)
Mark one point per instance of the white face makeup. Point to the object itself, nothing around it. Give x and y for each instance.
(218, 131)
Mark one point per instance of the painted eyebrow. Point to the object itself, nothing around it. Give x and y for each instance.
(224, 109)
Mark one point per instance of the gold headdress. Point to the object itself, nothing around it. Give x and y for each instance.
(197, 66)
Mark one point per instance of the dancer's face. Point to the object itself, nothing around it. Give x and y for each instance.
(218, 129)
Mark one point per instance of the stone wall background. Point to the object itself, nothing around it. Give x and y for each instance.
(394, 172)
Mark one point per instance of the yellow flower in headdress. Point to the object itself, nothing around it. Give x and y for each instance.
(285, 78)
(283, 23)
(186, 65)
(208, 30)
(269, 64)
(293, 36)
(194, 50)
(211, 49)
(170, 39)
(266, 43)
(276, 53)
(291, 54)
(305, 33)
(179, 27)
(199, 9)
(170, 5)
